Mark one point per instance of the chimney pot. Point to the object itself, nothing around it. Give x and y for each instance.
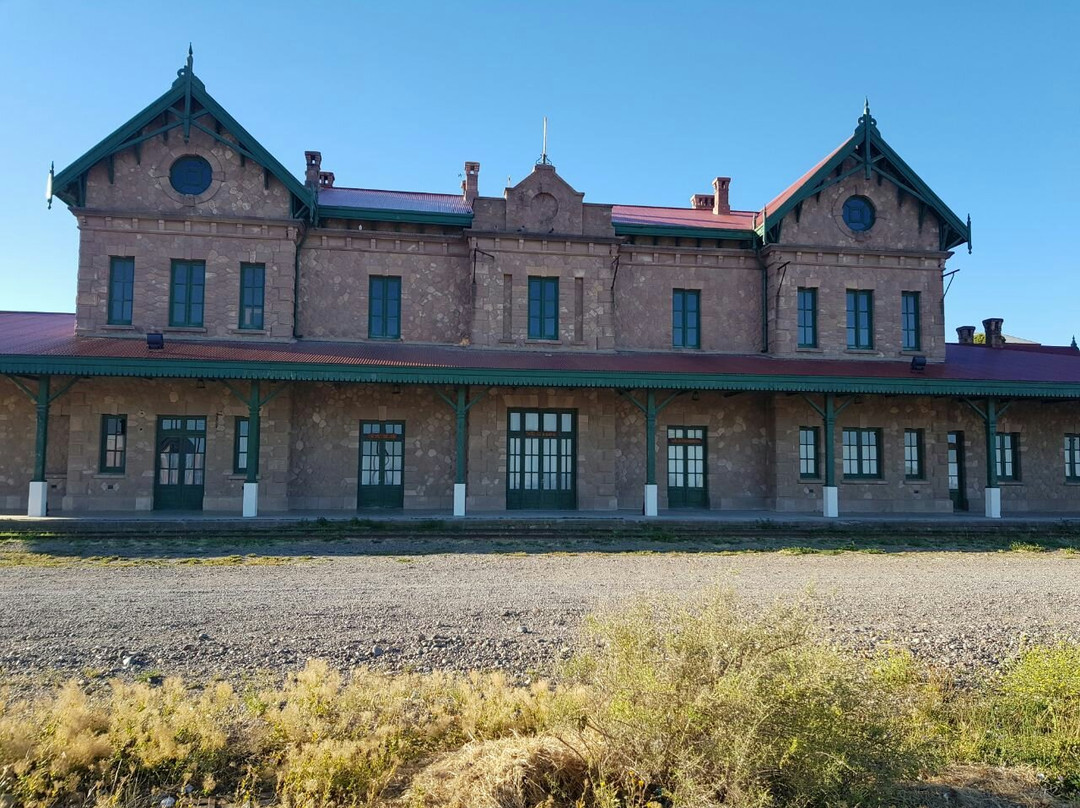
(966, 334)
(313, 163)
(992, 329)
(326, 179)
(470, 186)
(701, 201)
(720, 195)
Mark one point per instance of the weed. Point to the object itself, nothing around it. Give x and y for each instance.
(1026, 547)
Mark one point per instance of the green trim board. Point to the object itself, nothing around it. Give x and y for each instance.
(675, 231)
(69, 184)
(566, 378)
(872, 153)
(386, 215)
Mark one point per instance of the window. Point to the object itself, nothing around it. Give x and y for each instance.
(1072, 458)
(808, 453)
(859, 213)
(1007, 455)
(191, 174)
(913, 454)
(685, 318)
(807, 318)
(862, 453)
(240, 445)
(543, 308)
(909, 321)
(121, 290)
(252, 286)
(113, 444)
(187, 293)
(860, 318)
(384, 308)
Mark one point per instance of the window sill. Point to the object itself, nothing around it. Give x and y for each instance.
(385, 339)
(1072, 482)
(863, 351)
(1008, 483)
(862, 481)
(117, 327)
(531, 341)
(109, 475)
(259, 332)
(185, 329)
(808, 349)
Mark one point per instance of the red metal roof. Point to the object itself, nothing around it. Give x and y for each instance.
(801, 181)
(408, 201)
(52, 335)
(682, 217)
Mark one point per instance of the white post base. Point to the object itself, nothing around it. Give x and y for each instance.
(459, 499)
(830, 501)
(650, 500)
(993, 503)
(39, 499)
(251, 499)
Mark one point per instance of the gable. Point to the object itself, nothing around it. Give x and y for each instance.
(184, 120)
(864, 162)
(544, 202)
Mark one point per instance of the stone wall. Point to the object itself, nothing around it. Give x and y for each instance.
(325, 444)
(335, 268)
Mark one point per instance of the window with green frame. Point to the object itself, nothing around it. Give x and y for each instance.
(860, 318)
(808, 453)
(384, 307)
(1072, 458)
(909, 322)
(113, 444)
(187, 293)
(252, 294)
(686, 318)
(121, 290)
(862, 454)
(543, 308)
(913, 454)
(1007, 456)
(240, 445)
(807, 305)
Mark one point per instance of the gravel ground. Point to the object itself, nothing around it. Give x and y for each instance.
(519, 613)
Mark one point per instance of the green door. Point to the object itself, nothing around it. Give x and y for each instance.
(686, 467)
(541, 457)
(957, 474)
(382, 456)
(181, 463)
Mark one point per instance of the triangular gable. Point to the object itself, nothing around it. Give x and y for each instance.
(186, 106)
(874, 157)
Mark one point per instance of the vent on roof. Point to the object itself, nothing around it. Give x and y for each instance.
(326, 179)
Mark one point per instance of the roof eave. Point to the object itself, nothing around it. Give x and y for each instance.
(385, 215)
(678, 231)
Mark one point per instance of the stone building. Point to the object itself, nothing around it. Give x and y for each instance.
(244, 341)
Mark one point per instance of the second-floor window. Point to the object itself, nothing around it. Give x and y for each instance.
(860, 318)
(384, 308)
(1072, 458)
(862, 453)
(121, 290)
(1007, 456)
(543, 308)
(909, 321)
(187, 293)
(807, 318)
(685, 318)
(252, 286)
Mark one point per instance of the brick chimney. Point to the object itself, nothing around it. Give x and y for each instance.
(720, 195)
(470, 186)
(701, 201)
(326, 179)
(992, 329)
(966, 334)
(313, 162)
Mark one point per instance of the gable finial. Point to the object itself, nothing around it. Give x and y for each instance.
(1073, 345)
(190, 59)
(866, 119)
(866, 105)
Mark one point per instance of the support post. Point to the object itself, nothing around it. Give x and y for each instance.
(830, 493)
(251, 483)
(38, 500)
(993, 491)
(650, 455)
(461, 412)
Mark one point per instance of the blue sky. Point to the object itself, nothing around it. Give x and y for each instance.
(647, 103)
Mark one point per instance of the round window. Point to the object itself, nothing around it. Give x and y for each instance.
(858, 213)
(191, 175)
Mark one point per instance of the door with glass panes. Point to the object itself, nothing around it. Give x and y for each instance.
(686, 476)
(541, 457)
(382, 455)
(181, 464)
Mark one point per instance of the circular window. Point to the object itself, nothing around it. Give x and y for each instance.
(858, 213)
(191, 175)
